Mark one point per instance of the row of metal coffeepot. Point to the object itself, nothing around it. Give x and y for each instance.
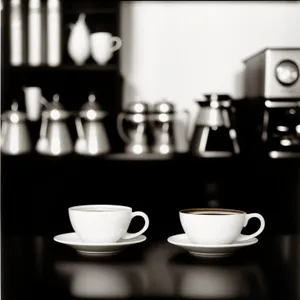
(54, 135)
(143, 129)
(214, 134)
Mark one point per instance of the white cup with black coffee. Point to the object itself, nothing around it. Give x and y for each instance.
(207, 226)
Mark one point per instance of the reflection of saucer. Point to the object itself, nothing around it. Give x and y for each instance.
(217, 281)
(208, 251)
(96, 280)
(96, 249)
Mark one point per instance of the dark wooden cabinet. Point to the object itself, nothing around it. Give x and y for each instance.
(25, 187)
(73, 83)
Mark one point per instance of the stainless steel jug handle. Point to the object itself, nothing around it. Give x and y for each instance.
(79, 128)
(4, 127)
(44, 101)
(120, 129)
(44, 127)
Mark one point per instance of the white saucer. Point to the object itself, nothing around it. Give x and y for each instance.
(208, 251)
(96, 249)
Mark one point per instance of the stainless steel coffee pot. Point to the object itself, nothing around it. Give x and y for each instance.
(15, 138)
(54, 137)
(92, 136)
(136, 117)
(214, 135)
(163, 118)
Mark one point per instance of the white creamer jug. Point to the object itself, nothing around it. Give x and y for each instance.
(79, 41)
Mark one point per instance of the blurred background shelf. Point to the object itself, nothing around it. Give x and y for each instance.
(142, 157)
(34, 159)
(62, 68)
(90, 7)
(92, 11)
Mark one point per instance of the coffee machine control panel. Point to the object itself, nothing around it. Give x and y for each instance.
(273, 73)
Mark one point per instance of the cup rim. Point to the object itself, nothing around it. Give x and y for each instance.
(228, 211)
(100, 33)
(117, 208)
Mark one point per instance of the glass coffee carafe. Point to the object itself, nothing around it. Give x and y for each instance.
(214, 134)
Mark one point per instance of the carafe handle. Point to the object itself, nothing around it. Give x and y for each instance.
(233, 137)
(120, 129)
(79, 128)
(232, 132)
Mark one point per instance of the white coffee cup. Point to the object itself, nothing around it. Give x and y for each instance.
(104, 223)
(103, 45)
(33, 102)
(217, 226)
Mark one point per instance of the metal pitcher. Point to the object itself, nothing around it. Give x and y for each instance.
(163, 117)
(15, 138)
(136, 117)
(92, 136)
(54, 137)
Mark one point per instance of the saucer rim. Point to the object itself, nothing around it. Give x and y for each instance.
(190, 244)
(79, 243)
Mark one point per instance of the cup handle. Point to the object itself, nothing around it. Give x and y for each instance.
(133, 235)
(243, 238)
(118, 43)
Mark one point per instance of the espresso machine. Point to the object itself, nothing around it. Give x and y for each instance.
(272, 80)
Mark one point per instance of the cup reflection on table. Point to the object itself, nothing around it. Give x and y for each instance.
(92, 280)
(218, 281)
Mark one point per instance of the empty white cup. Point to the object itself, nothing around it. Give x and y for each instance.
(103, 45)
(104, 223)
(33, 96)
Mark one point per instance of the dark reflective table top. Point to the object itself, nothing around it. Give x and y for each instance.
(39, 268)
